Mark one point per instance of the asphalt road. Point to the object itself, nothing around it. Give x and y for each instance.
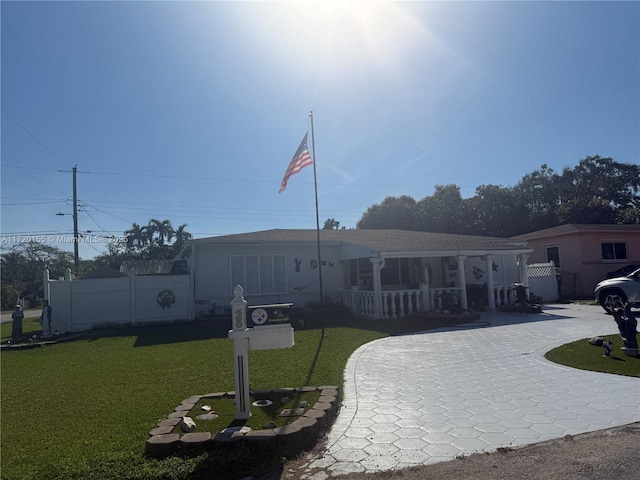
(30, 312)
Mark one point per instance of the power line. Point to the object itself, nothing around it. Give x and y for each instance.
(34, 137)
(29, 175)
(94, 220)
(34, 203)
(245, 180)
(180, 206)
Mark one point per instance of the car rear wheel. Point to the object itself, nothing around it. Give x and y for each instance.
(613, 301)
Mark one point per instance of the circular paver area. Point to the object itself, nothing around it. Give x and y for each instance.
(429, 397)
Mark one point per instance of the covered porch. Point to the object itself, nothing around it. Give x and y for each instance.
(391, 287)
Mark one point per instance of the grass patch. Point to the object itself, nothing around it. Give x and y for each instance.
(584, 356)
(261, 417)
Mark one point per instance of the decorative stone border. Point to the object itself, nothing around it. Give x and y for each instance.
(297, 435)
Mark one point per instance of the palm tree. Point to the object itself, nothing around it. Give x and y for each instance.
(138, 236)
(146, 236)
(162, 228)
(181, 236)
(135, 236)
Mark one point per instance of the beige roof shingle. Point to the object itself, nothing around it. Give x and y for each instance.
(577, 227)
(378, 240)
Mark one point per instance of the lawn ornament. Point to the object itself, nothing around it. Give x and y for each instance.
(627, 326)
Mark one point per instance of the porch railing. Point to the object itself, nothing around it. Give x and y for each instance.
(402, 303)
(360, 302)
(504, 295)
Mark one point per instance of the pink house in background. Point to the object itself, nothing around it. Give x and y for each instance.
(584, 254)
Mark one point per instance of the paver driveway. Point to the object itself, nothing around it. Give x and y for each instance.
(430, 397)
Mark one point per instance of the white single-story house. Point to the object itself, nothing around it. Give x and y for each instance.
(375, 273)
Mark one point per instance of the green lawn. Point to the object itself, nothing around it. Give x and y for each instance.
(581, 354)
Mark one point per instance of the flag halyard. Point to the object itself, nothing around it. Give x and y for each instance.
(301, 159)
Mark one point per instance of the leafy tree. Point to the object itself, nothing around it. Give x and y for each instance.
(23, 266)
(603, 178)
(115, 255)
(442, 212)
(541, 192)
(392, 213)
(628, 216)
(596, 190)
(495, 211)
(9, 297)
(331, 224)
(586, 210)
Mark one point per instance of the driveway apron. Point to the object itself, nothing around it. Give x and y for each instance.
(433, 396)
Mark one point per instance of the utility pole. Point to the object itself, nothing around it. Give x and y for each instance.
(76, 258)
(75, 220)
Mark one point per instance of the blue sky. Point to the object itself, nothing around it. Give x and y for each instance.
(191, 111)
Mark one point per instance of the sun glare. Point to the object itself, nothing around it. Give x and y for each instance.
(337, 38)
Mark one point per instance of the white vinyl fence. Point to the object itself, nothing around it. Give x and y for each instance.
(543, 281)
(82, 304)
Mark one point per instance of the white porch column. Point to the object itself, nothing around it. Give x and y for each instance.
(426, 301)
(378, 264)
(353, 300)
(524, 270)
(463, 283)
(490, 285)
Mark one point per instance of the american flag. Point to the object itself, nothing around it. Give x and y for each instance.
(300, 159)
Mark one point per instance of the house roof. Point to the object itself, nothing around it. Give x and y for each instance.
(570, 228)
(385, 242)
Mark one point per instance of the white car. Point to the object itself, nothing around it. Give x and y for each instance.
(614, 293)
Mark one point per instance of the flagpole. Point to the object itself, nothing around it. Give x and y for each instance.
(315, 184)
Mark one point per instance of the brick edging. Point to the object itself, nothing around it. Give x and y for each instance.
(298, 435)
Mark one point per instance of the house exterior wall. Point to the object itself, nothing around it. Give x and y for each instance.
(213, 289)
(581, 263)
(505, 270)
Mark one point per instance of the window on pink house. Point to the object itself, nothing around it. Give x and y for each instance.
(553, 254)
(614, 250)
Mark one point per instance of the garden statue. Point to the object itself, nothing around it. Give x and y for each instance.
(16, 330)
(45, 319)
(627, 324)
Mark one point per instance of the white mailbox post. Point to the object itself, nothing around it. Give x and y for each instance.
(244, 339)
